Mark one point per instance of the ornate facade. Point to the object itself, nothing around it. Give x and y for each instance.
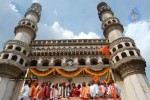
(67, 53)
(24, 52)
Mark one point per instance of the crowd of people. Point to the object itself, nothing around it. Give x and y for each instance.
(93, 90)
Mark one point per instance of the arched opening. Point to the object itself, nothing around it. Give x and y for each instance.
(109, 22)
(138, 53)
(18, 49)
(127, 44)
(10, 47)
(123, 54)
(81, 61)
(94, 61)
(42, 53)
(58, 62)
(120, 46)
(45, 63)
(105, 60)
(133, 45)
(33, 26)
(114, 49)
(28, 23)
(14, 57)
(93, 52)
(23, 22)
(114, 20)
(24, 52)
(131, 53)
(33, 63)
(21, 61)
(5, 56)
(117, 58)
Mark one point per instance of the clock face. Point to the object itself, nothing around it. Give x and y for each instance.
(69, 63)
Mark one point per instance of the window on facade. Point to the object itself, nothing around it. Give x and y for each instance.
(45, 63)
(105, 60)
(133, 45)
(114, 49)
(5, 56)
(138, 53)
(23, 22)
(120, 46)
(58, 62)
(21, 61)
(117, 58)
(81, 61)
(94, 61)
(131, 53)
(114, 20)
(109, 22)
(33, 26)
(33, 63)
(127, 44)
(10, 47)
(18, 49)
(123, 54)
(24, 52)
(28, 23)
(14, 57)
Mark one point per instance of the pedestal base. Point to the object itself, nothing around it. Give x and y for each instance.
(9, 89)
(137, 87)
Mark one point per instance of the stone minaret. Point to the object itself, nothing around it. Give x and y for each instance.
(127, 63)
(15, 56)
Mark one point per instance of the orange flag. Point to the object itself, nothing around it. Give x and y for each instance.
(105, 51)
(95, 78)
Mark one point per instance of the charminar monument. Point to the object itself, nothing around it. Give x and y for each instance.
(74, 60)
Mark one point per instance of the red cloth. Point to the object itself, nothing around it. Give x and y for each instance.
(75, 92)
(105, 51)
(47, 91)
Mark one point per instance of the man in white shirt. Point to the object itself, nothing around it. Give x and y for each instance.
(94, 90)
(25, 91)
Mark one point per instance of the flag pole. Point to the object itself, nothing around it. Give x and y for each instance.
(25, 76)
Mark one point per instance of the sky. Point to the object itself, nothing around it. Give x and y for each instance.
(77, 19)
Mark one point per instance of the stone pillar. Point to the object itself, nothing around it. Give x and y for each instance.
(131, 68)
(75, 61)
(88, 62)
(137, 87)
(6, 87)
(52, 61)
(25, 31)
(39, 63)
(63, 62)
(100, 60)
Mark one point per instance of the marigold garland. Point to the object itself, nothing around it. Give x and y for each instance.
(70, 73)
(108, 78)
(41, 73)
(94, 73)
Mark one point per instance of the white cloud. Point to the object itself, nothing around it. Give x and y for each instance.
(89, 35)
(9, 17)
(56, 31)
(35, 1)
(13, 7)
(140, 32)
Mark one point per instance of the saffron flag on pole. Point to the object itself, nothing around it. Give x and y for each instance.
(105, 51)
